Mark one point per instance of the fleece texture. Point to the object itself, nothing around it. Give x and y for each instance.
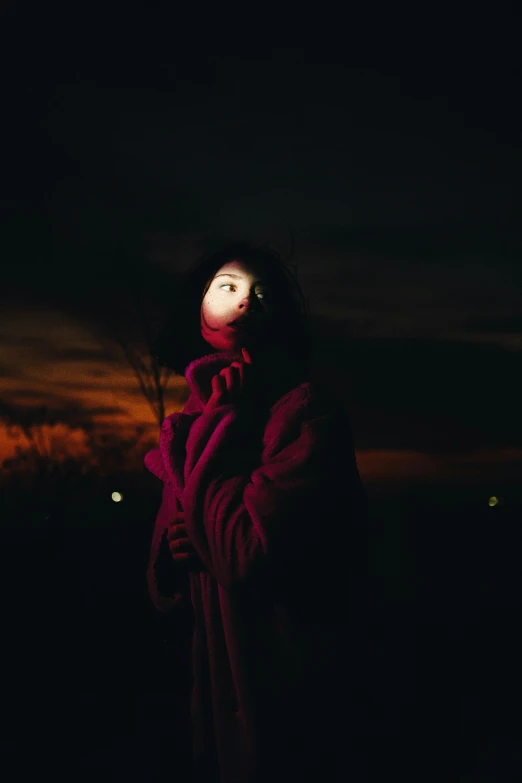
(275, 509)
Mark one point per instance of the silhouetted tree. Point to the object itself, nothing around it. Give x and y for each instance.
(46, 434)
(132, 320)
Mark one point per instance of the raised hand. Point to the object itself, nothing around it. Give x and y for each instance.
(233, 383)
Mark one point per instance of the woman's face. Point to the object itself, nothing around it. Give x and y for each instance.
(237, 291)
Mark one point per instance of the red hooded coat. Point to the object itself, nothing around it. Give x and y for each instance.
(273, 507)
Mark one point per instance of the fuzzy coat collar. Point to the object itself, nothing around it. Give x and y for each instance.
(273, 382)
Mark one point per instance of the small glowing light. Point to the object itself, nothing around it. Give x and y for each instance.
(493, 501)
(117, 496)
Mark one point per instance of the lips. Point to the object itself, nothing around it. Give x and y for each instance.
(242, 323)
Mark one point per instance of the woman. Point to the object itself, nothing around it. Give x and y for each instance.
(263, 506)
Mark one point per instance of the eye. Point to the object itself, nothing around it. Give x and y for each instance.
(260, 294)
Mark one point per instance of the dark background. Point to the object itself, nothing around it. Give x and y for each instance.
(386, 150)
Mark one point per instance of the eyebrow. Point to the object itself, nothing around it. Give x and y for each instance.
(229, 274)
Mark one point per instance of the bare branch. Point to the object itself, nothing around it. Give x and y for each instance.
(134, 335)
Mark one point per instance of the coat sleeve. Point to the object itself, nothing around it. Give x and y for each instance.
(162, 577)
(248, 525)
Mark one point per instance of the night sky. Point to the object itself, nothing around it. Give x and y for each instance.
(142, 139)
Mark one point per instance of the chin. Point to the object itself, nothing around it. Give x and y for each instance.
(241, 341)
(225, 346)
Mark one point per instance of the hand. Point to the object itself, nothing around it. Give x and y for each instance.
(230, 385)
(180, 545)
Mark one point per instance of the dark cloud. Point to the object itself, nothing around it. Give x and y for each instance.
(7, 372)
(46, 397)
(428, 241)
(51, 411)
(25, 341)
(175, 394)
(105, 410)
(500, 324)
(51, 349)
(425, 394)
(102, 355)
(73, 386)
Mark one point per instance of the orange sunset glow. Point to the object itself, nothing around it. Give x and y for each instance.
(95, 379)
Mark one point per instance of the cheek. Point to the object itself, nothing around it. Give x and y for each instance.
(211, 309)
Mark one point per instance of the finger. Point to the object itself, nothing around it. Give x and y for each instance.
(231, 376)
(181, 545)
(182, 557)
(177, 531)
(175, 525)
(217, 384)
(185, 556)
(188, 561)
(219, 390)
(241, 371)
(246, 372)
(246, 355)
(236, 371)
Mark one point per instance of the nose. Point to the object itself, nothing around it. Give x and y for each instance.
(248, 302)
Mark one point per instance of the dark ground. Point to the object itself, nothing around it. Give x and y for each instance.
(96, 683)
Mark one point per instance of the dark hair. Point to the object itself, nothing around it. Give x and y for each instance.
(180, 342)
